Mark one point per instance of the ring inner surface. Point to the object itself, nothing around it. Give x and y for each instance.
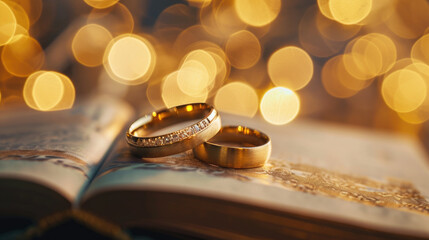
(232, 137)
(169, 120)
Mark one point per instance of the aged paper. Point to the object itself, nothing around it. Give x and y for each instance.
(60, 149)
(375, 180)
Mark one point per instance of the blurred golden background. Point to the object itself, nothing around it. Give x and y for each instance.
(362, 62)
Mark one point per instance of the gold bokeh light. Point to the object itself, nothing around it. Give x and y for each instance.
(237, 98)
(370, 55)
(7, 23)
(173, 96)
(22, 56)
(100, 4)
(409, 19)
(193, 78)
(324, 8)
(312, 40)
(348, 53)
(129, 59)
(220, 19)
(290, 67)
(280, 105)
(117, 19)
(89, 43)
(204, 58)
(199, 3)
(334, 30)
(190, 36)
(349, 11)
(420, 114)
(257, 13)
(19, 31)
(213, 58)
(243, 49)
(48, 91)
(364, 60)
(404, 90)
(420, 49)
(33, 9)
(222, 69)
(20, 14)
(338, 82)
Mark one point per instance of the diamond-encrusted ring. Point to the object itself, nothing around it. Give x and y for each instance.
(206, 126)
(235, 147)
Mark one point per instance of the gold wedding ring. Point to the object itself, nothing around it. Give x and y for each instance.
(235, 147)
(178, 141)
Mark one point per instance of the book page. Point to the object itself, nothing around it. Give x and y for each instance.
(60, 150)
(374, 180)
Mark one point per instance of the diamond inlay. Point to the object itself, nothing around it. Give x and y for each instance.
(173, 137)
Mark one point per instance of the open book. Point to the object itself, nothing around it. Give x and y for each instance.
(322, 181)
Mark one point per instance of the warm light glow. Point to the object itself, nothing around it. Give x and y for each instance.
(206, 59)
(117, 19)
(344, 78)
(237, 98)
(243, 49)
(189, 108)
(19, 31)
(257, 13)
(174, 18)
(199, 3)
(420, 114)
(331, 82)
(193, 78)
(350, 11)
(364, 61)
(420, 49)
(290, 67)
(324, 8)
(312, 40)
(22, 56)
(404, 90)
(387, 49)
(154, 93)
(369, 56)
(241, 56)
(190, 36)
(129, 59)
(173, 96)
(20, 14)
(220, 19)
(48, 91)
(338, 82)
(7, 23)
(409, 19)
(334, 30)
(89, 44)
(280, 105)
(33, 8)
(222, 70)
(106, 85)
(101, 3)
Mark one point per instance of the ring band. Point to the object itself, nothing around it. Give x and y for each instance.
(235, 147)
(177, 141)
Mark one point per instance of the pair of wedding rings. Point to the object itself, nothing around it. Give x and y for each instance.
(229, 146)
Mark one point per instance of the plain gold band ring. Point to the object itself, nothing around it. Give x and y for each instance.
(235, 147)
